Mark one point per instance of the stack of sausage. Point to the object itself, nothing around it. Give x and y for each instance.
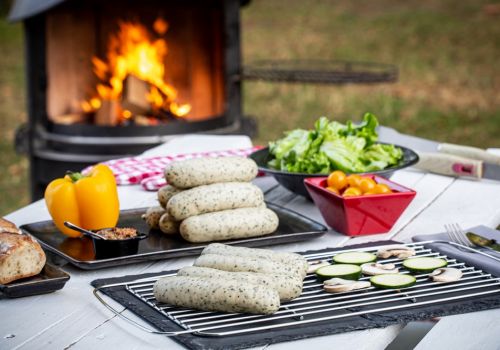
(212, 199)
(235, 279)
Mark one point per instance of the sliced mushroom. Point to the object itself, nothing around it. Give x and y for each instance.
(446, 274)
(316, 264)
(399, 251)
(339, 285)
(374, 269)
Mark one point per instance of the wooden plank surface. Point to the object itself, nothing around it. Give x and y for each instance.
(70, 45)
(473, 331)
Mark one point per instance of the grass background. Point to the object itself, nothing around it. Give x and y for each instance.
(447, 53)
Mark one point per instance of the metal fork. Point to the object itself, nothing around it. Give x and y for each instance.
(459, 240)
(456, 234)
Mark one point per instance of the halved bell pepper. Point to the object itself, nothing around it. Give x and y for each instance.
(89, 201)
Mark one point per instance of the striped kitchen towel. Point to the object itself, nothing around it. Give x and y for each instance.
(148, 172)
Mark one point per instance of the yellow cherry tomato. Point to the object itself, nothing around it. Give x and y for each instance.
(337, 179)
(366, 184)
(382, 189)
(369, 193)
(352, 191)
(353, 180)
(333, 189)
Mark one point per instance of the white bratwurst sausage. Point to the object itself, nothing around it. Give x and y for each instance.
(215, 197)
(245, 264)
(165, 193)
(264, 254)
(288, 287)
(168, 225)
(153, 215)
(205, 171)
(229, 224)
(216, 295)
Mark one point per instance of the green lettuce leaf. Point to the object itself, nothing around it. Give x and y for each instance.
(332, 145)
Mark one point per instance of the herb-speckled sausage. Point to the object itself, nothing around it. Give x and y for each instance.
(229, 224)
(216, 295)
(244, 264)
(215, 197)
(205, 171)
(165, 193)
(288, 287)
(264, 254)
(152, 216)
(168, 225)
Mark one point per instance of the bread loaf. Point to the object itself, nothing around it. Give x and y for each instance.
(8, 227)
(20, 257)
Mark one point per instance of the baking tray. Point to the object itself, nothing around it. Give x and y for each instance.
(314, 313)
(48, 280)
(293, 227)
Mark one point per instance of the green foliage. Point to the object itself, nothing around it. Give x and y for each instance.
(446, 52)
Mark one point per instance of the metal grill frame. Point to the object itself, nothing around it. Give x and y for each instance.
(316, 71)
(314, 304)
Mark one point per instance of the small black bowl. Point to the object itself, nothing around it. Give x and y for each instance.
(295, 181)
(111, 248)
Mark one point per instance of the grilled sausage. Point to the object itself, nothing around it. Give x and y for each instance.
(245, 264)
(288, 287)
(205, 171)
(264, 254)
(168, 225)
(216, 295)
(165, 193)
(152, 216)
(215, 197)
(229, 224)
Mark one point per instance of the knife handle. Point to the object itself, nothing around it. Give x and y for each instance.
(469, 152)
(447, 164)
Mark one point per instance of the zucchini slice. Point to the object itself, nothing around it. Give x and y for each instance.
(357, 258)
(424, 264)
(346, 271)
(393, 281)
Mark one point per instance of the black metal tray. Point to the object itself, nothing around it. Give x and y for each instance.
(48, 280)
(310, 315)
(293, 227)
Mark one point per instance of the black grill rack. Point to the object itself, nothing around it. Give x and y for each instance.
(321, 71)
(314, 304)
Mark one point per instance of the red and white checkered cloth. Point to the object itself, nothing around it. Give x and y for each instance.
(148, 172)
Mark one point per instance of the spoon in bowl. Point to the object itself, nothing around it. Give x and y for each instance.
(84, 231)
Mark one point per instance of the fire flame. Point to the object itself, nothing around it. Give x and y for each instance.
(133, 52)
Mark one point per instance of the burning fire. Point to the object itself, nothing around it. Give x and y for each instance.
(132, 52)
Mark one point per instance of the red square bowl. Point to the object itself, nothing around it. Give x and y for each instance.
(360, 215)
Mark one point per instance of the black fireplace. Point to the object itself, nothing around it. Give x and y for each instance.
(86, 104)
(62, 37)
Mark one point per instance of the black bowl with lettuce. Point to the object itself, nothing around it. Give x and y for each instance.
(352, 148)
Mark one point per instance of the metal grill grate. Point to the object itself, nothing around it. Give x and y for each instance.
(320, 71)
(315, 305)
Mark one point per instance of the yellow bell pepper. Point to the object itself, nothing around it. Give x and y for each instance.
(89, 201)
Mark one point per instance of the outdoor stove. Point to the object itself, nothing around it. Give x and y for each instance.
(110, 79)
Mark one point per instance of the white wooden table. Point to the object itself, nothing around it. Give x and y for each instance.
(73, 318)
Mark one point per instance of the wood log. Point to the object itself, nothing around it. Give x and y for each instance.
(134, 95)
(108, 114)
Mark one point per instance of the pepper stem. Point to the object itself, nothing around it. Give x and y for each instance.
(74, 176)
